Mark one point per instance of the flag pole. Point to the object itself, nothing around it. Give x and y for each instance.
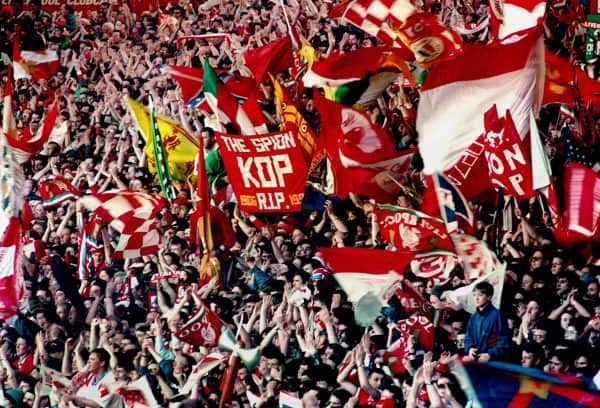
(232, 371)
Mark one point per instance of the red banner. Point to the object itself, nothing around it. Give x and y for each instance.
(412, 230)
(202, 329)
(508, 162)
(50, 6)
(267, 172)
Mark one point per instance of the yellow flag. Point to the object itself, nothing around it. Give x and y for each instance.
(181, 148)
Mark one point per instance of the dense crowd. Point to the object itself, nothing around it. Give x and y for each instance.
(274, 291)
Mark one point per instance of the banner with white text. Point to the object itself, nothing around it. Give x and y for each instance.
(267, 172)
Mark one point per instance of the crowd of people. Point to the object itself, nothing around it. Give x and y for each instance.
(274, 290)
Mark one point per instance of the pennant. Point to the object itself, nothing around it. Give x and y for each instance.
(360, 270)
(271, 58)
(203, 328)
(224, 105)
(462, 298)
(162, 165)
(501, 73)
(293, 120)
(179, 146)
(56, 190)
(508, 165)
(135, 394)
(497, 384)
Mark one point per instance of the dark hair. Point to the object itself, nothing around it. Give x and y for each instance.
(485, 287)
(103, 356)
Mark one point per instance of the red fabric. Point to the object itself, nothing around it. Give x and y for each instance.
(202, 328)
(273, 57)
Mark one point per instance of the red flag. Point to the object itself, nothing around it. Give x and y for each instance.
(273, 57)
(589, 89)
(418, 326)
(10, 271)
(397, 22)
(582, 202)
(361, 270)
(202, 329)
(513, 16)
(56, 190)
(559, 84)
(508, 162)
(139, 6)
(33, 64)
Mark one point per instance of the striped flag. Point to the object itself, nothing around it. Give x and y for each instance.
(360, 270)
(567, 112)
(56, 190)
(223, 104)
(582, 201)
(162, 166)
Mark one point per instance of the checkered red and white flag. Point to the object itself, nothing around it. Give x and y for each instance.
(400, 23)
(132, 214)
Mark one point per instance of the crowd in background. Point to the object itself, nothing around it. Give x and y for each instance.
(274, 292)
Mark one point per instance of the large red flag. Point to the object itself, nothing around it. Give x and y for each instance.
(272, 58)
(582, 202)
(559, 85)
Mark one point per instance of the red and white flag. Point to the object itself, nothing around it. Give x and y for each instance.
(456, 94)
(477, 259)
(11, 280)
(135, 394)
(512, 16)
(397, 22)
(132, 214)
(508, 163)
(56, 190)
(206, 365)
(462, 298)
(418, 326)
(203, 328)
(582, 202)
(360, 270)
(33, 64)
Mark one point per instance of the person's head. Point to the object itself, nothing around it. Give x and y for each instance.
(533, 309)
(98, 361)
(448, 389)
(558, 362)
(22, 347)
(557, 265)
(531, 356)
(208, 138)
(536, 260)
(376, 378)
(482, 294)
(562, 284)
(591, 290)
(566, 319)
(583, 365)
(527, 282)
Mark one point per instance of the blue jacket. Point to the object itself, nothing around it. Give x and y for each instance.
(487, 331)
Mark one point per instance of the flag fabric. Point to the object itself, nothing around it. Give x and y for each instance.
(418, 326)
(25, 145)
(462, 298)
(497, 384)
(35, 65)
(11, 279)
(398, 22)
(582, 202)
(161, 161)
(132, 214)
(476, 257)
(267, 172)
(514, 16)
(501, 73)
(83, 272)
(559, 84)
(271, 58)
(204, 366)
(293, 120)
(359, 76)
(442, 199)
(223, 104)
(508, 163)
(567, 112)
(287, 400)
(589, 89)
(575, 152)
(135, 394)
(56, 190)
(11, 173)
(361, 157)
(361, 270)
(434, 265)
(411, 230)
(180, 147)
(202, 329)
(540, 163)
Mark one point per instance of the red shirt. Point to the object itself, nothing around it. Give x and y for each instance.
(24, 364)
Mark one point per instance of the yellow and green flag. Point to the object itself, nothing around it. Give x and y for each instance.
(180, 147)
